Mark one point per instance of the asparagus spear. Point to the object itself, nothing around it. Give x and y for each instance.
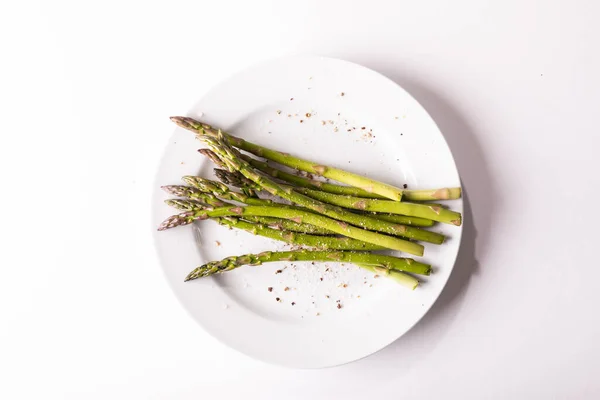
(410, 195)
(367, 222)
(209, 193)
(369, 185)
(299, 216)
(432, 194)
(319, 242)
(403, 219)
(433, 212)
(235, 179)
(308, 183)
(210, 199)
(287, 225)
(195, 194)
(360, 258)
(398, 276)
(234, 163)
(212, 157)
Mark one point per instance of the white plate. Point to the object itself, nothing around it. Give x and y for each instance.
(406, 147)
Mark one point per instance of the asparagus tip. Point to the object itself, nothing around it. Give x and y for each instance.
(177, 120)
(192, 275)
(183, 122)
(175, 220)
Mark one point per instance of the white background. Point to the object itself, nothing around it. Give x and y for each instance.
(85, 92)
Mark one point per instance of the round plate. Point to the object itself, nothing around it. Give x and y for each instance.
(298, 314)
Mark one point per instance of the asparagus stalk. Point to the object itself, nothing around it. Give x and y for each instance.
(287, 225)
(359, 258)
(211, 200)
(432, 194)
(349, 178)
(367, 222)
(212, 157)
(235, 179)
(303, 239)
(403, 219)
(194, 194)
(229, 156)
(433, 212)
(207, 191)
(410, 195)
(404, 279)
(308, 183)
(209, 195)
(299, 216)
(318, 242)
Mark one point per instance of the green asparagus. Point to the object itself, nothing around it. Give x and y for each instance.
(349, 178)
(201, 198)
(359, 258)
(299, 216)
(320, 242)
(240, 181)
(299, 181)
(433, 212)
(365, 221)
